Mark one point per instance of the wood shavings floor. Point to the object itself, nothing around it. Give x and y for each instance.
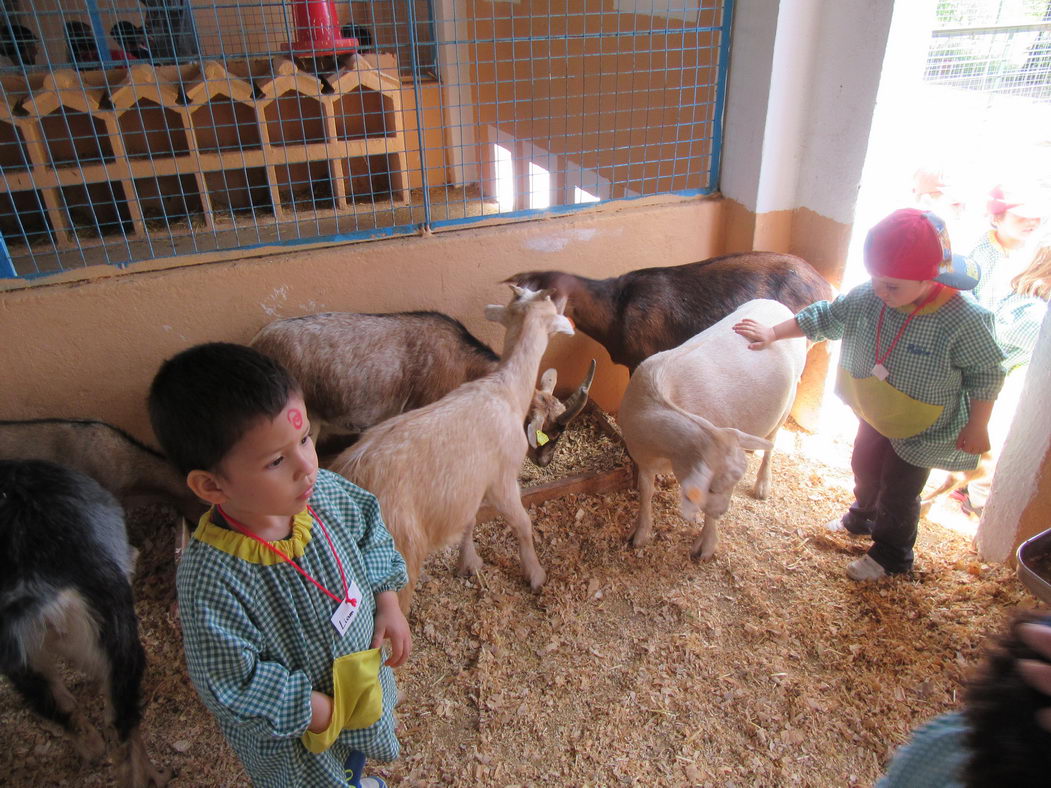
(765, 667)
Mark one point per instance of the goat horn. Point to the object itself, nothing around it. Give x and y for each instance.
(579, 398)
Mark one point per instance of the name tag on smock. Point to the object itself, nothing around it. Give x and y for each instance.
(880, 371)
(347, 609)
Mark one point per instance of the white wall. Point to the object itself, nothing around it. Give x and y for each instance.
(803, 81)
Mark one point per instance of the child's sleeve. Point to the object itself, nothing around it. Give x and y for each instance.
(224, 657)
(384, 564)
(979, 358)
(360, 512)
(824, 319)
(1018, 322)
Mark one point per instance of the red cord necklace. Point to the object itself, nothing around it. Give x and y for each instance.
(879, 369)
(243, 529)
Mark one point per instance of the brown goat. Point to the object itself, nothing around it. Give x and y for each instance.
(358, 370)
(649, 310)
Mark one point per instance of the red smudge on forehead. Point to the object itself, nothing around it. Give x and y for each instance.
(295, 418)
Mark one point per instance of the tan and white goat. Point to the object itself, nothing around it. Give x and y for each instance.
(432, 468)
(695, 409)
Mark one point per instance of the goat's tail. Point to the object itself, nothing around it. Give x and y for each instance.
(659, 391)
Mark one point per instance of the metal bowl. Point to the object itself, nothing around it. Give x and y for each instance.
(1029, 551)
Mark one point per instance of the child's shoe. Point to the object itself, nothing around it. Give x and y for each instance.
(839, 526)
(964, 497)
(372, 782)
(865, 568)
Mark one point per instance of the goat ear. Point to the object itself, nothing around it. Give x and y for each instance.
(535, 425)
(562, 325)
(496, 313)
(548, 380)
(560, 299)
(518, 291)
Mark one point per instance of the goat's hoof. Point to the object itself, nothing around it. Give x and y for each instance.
(89, 744)
(136, 770)
(469, 568)
(537, 581)
(760, 491)
(145, 776)
(640, 541)
(700, 556)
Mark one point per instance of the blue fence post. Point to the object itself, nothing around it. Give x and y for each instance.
(100, 33)
(7, 267)
(720, 94)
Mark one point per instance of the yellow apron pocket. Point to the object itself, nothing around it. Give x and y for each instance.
(892, 413)
(357, 697)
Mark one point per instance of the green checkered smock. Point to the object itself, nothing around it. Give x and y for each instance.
(992, 259)
(258, 635)
(934, 756)
(1018, 321)
(946, 357)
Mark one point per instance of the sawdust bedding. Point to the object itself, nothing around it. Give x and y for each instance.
(631, 667)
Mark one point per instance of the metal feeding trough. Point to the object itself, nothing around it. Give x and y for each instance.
(1035, 554)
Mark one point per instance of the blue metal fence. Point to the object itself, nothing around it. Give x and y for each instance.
(134, 130)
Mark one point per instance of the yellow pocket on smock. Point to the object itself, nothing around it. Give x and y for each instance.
(357, 697)
(892, 413)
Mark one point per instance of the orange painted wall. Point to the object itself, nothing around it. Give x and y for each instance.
(1037, 515)
(90, 348)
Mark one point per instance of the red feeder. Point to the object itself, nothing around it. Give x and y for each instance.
(317, 30)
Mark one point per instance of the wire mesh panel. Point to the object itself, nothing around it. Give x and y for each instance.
(140, 129)
(993, 47)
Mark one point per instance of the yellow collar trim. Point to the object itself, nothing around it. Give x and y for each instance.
(248, 549)
(939, 301)
(996, 242)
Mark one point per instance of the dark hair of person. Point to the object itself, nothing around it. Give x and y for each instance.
(1007, 745)
(204, 399)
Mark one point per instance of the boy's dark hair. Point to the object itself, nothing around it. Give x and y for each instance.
(1007, 745)
(204, 399)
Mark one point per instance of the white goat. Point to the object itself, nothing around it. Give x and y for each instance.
(694, 409)
(432, 468)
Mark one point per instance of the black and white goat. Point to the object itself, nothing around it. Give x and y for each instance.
(358, 370)
(65, 594)
(129, 469)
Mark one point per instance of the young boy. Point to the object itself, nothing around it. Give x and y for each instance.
(287, 590)
(920, 367)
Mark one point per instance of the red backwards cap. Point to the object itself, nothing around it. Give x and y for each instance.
(913, 244)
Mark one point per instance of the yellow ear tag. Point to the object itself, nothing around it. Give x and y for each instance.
(541, 438)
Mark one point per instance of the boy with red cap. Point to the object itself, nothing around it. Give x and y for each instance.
(920, 367)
